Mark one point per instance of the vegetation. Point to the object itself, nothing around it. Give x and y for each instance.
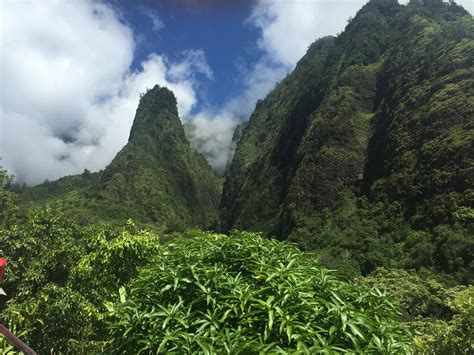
(8, 203)
(243, 293)
(362, 236)
(60, 274)
(369, 159)
(442, 318)
(100, 288)
(156, 179)
(360, 161)
(202, 292)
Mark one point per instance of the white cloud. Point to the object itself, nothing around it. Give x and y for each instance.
(68, 96)
(211, 134)
(194, 61)
(257, 83)
(289, 27)
(154, 17)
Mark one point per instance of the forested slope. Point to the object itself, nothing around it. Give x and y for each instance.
(366, 149)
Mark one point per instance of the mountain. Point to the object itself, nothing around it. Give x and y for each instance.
(366, 149)
(363, 154)
(156, 178)
(235, 140)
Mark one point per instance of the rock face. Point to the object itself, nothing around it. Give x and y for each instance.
(385, 110)
(421, 152)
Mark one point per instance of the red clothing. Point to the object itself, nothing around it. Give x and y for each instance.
(3, 264)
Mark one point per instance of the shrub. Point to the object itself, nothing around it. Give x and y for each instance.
(245, 293)
(441, 317)
(115, 257)
(57, 320)
(455, 336)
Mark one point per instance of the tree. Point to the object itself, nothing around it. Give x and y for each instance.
(8, 199)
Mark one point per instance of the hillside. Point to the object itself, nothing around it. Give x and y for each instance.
(369, 153)
(156, 178)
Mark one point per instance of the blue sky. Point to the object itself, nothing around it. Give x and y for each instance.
(220, 31)
(72, 71)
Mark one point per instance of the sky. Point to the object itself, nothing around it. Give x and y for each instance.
(71, 71)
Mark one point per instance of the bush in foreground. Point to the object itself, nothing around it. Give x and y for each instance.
(245, 293)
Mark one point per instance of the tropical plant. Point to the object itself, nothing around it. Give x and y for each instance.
(8, 199)
(243, 293)
(115, 256)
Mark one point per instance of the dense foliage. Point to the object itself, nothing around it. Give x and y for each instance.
(60, 274)
(8, 200)
(98, 288)
(442, 318)
(420, 153)
(362, 236)
(244, 293)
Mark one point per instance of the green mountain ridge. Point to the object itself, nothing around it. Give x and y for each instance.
(370, 152)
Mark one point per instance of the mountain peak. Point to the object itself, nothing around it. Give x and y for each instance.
(157, 106)
(157, 172)
(158, 99)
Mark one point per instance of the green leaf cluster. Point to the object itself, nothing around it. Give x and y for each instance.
(243, 293)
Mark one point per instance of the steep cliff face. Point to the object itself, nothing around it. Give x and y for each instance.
(156, 178)
(421, 152)
(365, 152)
(306, 141)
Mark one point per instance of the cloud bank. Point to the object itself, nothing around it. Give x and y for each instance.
(68, 96)
(211, 135)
